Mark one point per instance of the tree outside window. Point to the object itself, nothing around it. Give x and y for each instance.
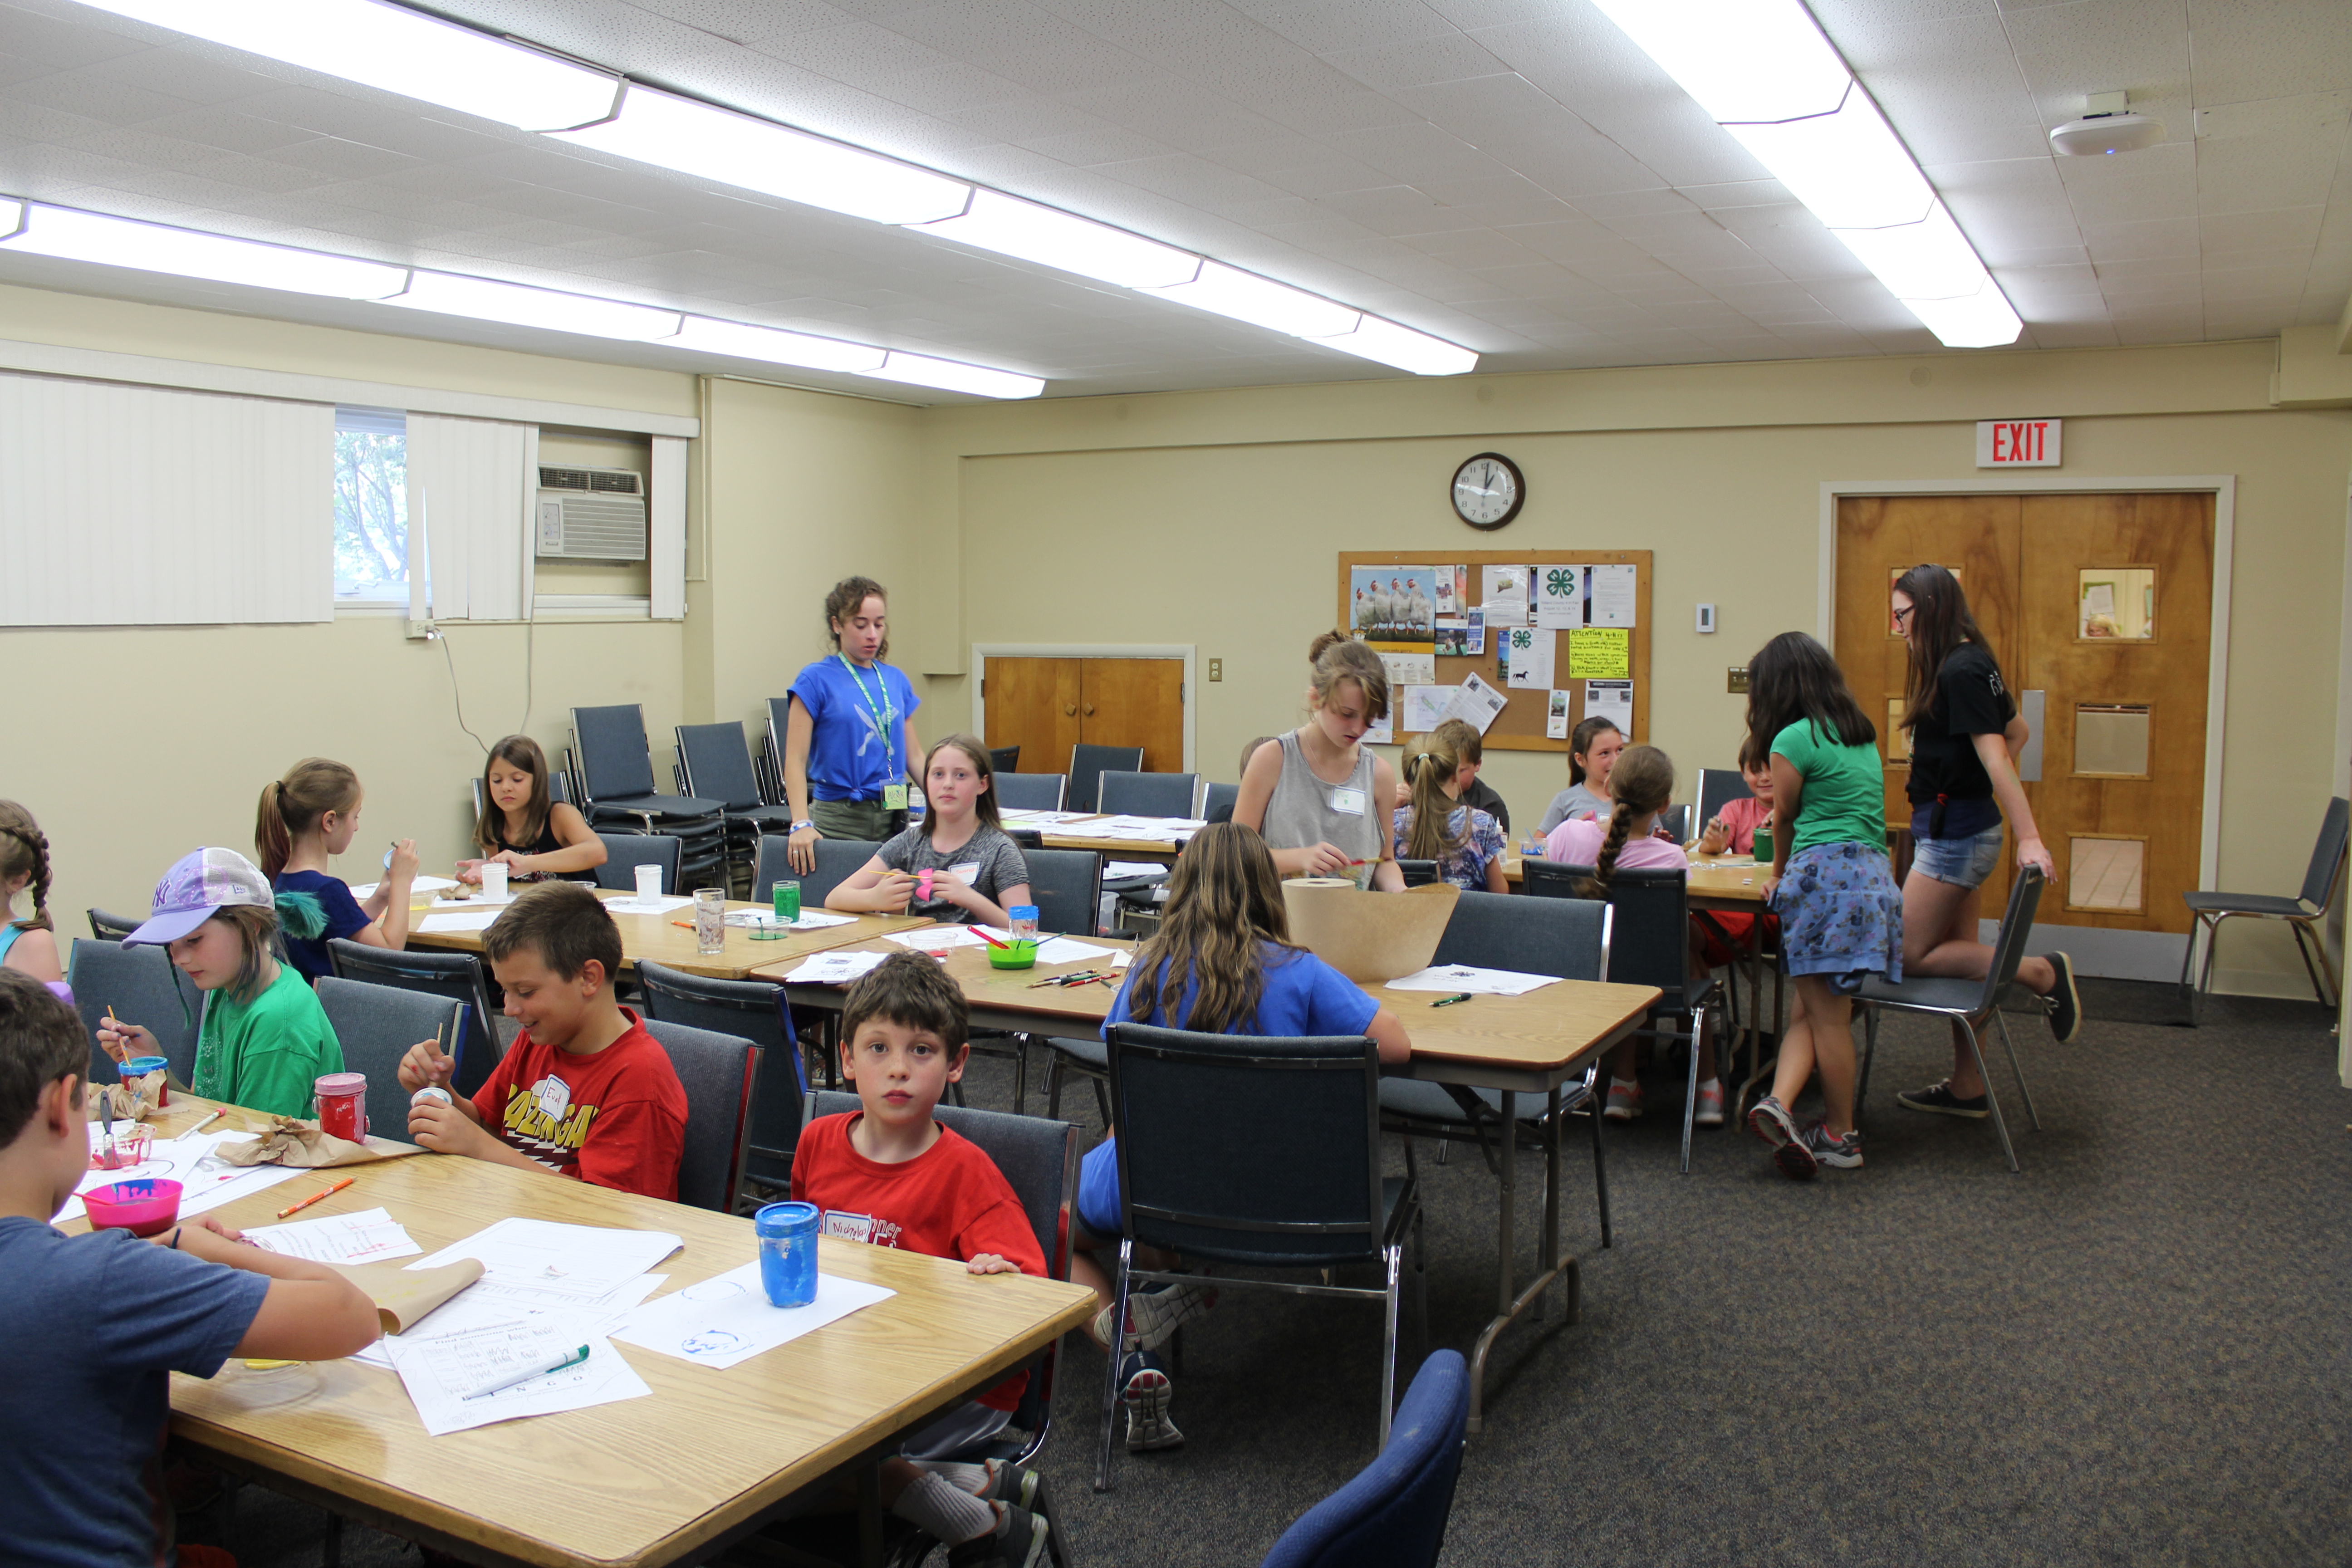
(370, 504)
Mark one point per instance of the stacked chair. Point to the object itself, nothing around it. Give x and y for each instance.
(616, 790)
(713, 763)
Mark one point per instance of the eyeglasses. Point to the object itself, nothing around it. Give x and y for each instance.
(1903, 617)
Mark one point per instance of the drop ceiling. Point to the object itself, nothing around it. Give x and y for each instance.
(1510, 174)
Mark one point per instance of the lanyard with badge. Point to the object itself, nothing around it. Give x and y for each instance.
(878, 716)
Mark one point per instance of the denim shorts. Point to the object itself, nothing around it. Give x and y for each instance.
(1962, 862)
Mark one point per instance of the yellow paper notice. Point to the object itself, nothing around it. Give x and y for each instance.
(1600, 652)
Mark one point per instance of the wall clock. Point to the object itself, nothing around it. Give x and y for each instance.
(1488, 490)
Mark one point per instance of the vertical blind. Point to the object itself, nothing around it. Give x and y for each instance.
(471, 483)
(124, 505)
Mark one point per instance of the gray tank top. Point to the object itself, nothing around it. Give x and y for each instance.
(1299, 812)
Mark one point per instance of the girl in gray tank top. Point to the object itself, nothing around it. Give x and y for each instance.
(1315, 824)
(1304, 810)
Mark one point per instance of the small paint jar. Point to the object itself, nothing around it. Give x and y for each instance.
(787, 1234)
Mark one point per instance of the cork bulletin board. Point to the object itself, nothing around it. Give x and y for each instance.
(1521, 725)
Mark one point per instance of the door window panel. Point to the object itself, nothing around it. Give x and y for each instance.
(2105, 874)
(2115, 603)
(1898, 739)
(2111, 740)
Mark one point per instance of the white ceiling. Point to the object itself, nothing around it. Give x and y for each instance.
(1510, 174)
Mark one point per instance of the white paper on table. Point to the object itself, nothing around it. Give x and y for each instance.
(204, 1183)
(726, 1319)
(1033, 814)
(1559, 597)
(1477, 703)
(540, 1263)
(834, 968)
(1531, 657)
(1063, 950)
(466, 1310)
(1477, 982)
(371, 1236)
(474, 919)
(766, 920)
(363, 891)
(1506, 598)
(630, 904)
(1423, 708)
(935, 939)
(1123, 961)
(1115, 869)
(1612, 591)
(1610, 700)
(476, 903)
(439, 1372)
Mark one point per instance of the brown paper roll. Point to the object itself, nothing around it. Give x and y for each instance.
(1370, 938)
(402, 1297)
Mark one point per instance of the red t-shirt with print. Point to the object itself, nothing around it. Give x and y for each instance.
(615, 1119)
(1741, 818)
(949, 1201)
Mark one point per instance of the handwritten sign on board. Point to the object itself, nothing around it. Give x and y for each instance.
(1600, 652)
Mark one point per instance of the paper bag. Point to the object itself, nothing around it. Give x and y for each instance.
(404, 1297)
(136, 1099)
(1370, 938)
(299, 1145)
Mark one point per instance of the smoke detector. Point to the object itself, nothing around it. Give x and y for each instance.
(2107, 128)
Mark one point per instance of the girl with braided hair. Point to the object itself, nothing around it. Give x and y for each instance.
(27, 945)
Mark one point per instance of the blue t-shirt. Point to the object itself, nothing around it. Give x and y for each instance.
(96, 1325)
(1303, 995)
(857, 727)
(344, 919)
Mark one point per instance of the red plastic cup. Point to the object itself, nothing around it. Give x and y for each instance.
(342, 1102)
(131, 1147)
(144, 1206)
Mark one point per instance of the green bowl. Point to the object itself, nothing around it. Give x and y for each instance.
(1020, 955)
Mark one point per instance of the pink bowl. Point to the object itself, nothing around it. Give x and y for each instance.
(146, 1207)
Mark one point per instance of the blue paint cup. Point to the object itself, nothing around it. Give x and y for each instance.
(787, 1234)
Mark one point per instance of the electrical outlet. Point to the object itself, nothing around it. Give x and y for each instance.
(1216, 669)
(423, 631)
(1736, 681)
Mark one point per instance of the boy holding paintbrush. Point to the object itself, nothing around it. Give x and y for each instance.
(96, 1325)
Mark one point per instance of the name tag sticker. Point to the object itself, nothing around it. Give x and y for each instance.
(968, 873)
(847, 1226)
(894, 797)
(1350, 801)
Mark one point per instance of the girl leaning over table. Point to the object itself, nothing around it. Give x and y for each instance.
(849, 740)
(1319, 799)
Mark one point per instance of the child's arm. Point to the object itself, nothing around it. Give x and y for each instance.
(1787, 797)
(874, 889)
(387, 909)
(35, 952)
(1387, 1031)
(456, 1128)
(581, 851)
(312, 1312)
(1993, 751)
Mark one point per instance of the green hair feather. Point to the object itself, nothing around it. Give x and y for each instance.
(302, 915)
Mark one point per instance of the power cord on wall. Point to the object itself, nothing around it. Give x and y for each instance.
(457, 696)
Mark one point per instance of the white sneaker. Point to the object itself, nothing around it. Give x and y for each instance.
(1624, 1100)
(1154, 1315)
(1710, 1104)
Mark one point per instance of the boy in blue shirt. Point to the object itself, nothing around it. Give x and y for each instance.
(97, 1323)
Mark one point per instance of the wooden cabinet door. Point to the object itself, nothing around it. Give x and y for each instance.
(1133, 702)
(1033, 703)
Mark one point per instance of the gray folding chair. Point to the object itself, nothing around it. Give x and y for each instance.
(1966, 1003)
(616, 772)
(1004, 759)
(143, 988)
(1418, 873)
(755, 1010)
(454, 976)
(624, 852)
(1255, 1153)
(837, 860)
(112, 927)
(1088, 763)
(2305, 914)
(1718, 787)
(376, 1025)
(1219, 797)
(1676, 819)
(720, 1074)
(1030, 792)
(1148, 794)
(715, 765)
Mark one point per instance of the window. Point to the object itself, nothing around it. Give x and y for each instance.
(2111, 740)
(2105, 873)
(2116, 603)
(370, 505)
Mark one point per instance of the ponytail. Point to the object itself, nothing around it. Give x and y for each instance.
(292, 806)
(1642, 784)
(24, 852)
(1430, 835)
(271, 840)
(1605, 865)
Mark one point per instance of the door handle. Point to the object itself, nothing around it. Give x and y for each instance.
(1090, 709)
(1069, 711)
(2029, 757)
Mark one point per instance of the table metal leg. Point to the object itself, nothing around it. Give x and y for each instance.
(1511, 1303)
(869, 1516)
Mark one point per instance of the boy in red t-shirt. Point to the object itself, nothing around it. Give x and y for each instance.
(584, 1091)
(891, 1176)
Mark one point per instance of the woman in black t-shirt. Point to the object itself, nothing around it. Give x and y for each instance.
(1965, 737)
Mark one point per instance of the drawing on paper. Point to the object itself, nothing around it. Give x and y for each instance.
(722, 1288)
(712, 1342)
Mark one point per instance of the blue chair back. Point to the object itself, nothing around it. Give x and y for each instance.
(1718, 787)
(1030, 792)
(1147, 794)
(720, 1074)
(1004, 759)
(376, 1024)
(755, 1010)
(1393, 1514)
(836, 860)
(2319, 879)
(1087, 764)
(1066, 887)
(717, 766)
(1650, 942)
(624, 852)
(454, 976)
(1219, 797)
(616, 761)
(143, 988)
(1567, 937)
(112, 927)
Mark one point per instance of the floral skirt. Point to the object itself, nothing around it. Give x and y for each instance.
(1841, 914)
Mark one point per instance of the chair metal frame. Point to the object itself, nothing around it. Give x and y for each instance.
(2306, 916)
(107, 927)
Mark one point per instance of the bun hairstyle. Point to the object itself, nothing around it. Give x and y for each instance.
(1793, 677)
(843, 602)
(292, 806)
(516, 752)
(1224, 902)
(983, 807)
(1323, 643)
(1579, 742)
(1939, 623)
(1339, 658)
(24, 852)
(1429, 770)
(1642, 784)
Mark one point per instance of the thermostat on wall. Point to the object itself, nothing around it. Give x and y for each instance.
(1706, 617)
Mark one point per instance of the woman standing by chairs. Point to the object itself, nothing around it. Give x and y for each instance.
(1965, 737)
(849, 744)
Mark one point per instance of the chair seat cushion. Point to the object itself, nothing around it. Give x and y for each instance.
(1267, 1252)
(2247, 904)
(1938, 993)
(661, 806)
(1089, 1053)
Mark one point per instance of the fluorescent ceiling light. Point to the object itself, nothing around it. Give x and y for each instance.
(519, 304)
(1390, 343)
(1225, 291)
(775, 346)
(715, 144)
(1742, 59)
(396, 49)
(74, 235)
(922, 370)
(1925, 260)
(1848, 167)
(1011, 226)
(1979, 320)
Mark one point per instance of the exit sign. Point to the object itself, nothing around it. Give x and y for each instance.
(2017, 443)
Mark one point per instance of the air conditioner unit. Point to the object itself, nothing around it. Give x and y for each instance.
(592, 514)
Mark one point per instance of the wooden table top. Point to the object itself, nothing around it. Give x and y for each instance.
(657, 938)
(643, 1480)
(1544, 1030)
(1717, 881)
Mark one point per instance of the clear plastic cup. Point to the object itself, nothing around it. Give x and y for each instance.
(494, 881)
(1024, 921)
(648, 884)
(709, 920)
(787, 1234)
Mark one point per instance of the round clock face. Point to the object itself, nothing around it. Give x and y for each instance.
(1488, 490)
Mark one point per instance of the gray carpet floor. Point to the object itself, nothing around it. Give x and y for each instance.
(2135, 1352)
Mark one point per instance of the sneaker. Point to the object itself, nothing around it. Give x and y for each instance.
(2066, 1001)
(1017, 1541)
(1770, 1120)
(1624, 1100)
(1939, 1099)
(1013, 1485)
(1844, 1153)
(1797, 1159)
(1147, 1393)
(1710, 1104)
(1154, 1315)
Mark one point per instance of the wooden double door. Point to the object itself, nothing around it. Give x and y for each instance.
(1045, 705)
(2099, 609)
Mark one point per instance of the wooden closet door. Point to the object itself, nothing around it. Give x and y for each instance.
(1033, 703)
(1136, 702)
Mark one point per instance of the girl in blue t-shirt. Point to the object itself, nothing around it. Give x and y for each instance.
(305, 819)
(849, 736)
(1222, 962)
